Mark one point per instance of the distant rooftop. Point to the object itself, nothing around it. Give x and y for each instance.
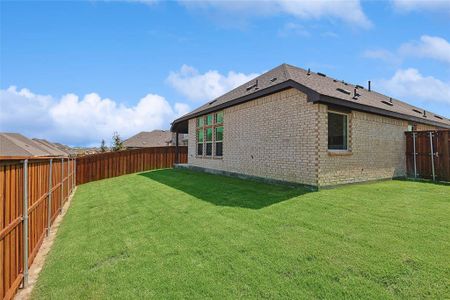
(15, 144)
(155, 138)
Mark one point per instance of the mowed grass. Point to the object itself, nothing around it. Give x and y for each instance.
(182, 234)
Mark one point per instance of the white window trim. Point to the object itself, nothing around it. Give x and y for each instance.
(348, 150)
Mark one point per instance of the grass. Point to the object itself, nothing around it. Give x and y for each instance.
(182, 234)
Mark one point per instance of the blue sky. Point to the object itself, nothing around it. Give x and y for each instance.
(75, 72)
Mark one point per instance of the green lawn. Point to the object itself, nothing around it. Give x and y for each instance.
(182, 234)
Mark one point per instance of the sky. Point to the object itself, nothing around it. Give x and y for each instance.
(76, 72)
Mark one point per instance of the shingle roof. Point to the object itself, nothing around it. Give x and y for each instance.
(65, 148)
(15, 144)
(50, 148)
(155, 138)
(319, 88)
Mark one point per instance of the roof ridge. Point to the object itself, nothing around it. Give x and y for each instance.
(286, 71)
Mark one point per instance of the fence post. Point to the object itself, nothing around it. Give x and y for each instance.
(177, 153)
(49, 208)
(62, 186)
(74, 172)
(432, 156)
(25, 223)
(414, 150)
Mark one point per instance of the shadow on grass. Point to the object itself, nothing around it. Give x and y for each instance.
(225, 191)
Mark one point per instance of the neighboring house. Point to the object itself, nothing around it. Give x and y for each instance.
(15, 144)
(51, 148)
(155, 138)
(65, 148)
(294, 125)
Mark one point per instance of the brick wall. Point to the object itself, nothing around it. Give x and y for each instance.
(282, 136)
(272, 137)
(376, 149)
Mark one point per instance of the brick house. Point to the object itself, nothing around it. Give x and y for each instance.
(155, 138)
(295, 125)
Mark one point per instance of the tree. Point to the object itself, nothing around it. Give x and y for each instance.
(117, 143)
(103, 147)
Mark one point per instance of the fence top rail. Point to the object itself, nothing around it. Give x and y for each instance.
(426, 131)
(129, 151)
(32, 157)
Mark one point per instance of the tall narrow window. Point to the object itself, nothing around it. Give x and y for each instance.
(337, 131)
(200, 135)
(219, 141)
(209, 139)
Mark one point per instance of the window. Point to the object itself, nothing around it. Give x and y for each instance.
(337, 131)
(209, 138)
(219, 117)
(219, 140)
(200, 140)
(210, 135)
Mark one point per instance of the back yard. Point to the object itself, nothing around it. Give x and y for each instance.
(181, 234)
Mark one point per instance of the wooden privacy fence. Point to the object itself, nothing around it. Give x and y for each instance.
(427, 154)
(111, 164)
(32, 193)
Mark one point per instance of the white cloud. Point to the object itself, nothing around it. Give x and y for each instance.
(411, 84)
(420, 5)
(432, 47)
(349, 11)
(429, 46)
(82, 121)
(202, 87)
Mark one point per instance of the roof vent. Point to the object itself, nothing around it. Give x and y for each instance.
(368, 86)
(321, 74)
(417, 111)
(212, 102)
(424, 114)
(253, 85)
(387, 103)
(343, 82)
(355, 94)
(309, 72)
(439, 117)
(334, 80)
(273, 79)
(359, 86)
(343, 91)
